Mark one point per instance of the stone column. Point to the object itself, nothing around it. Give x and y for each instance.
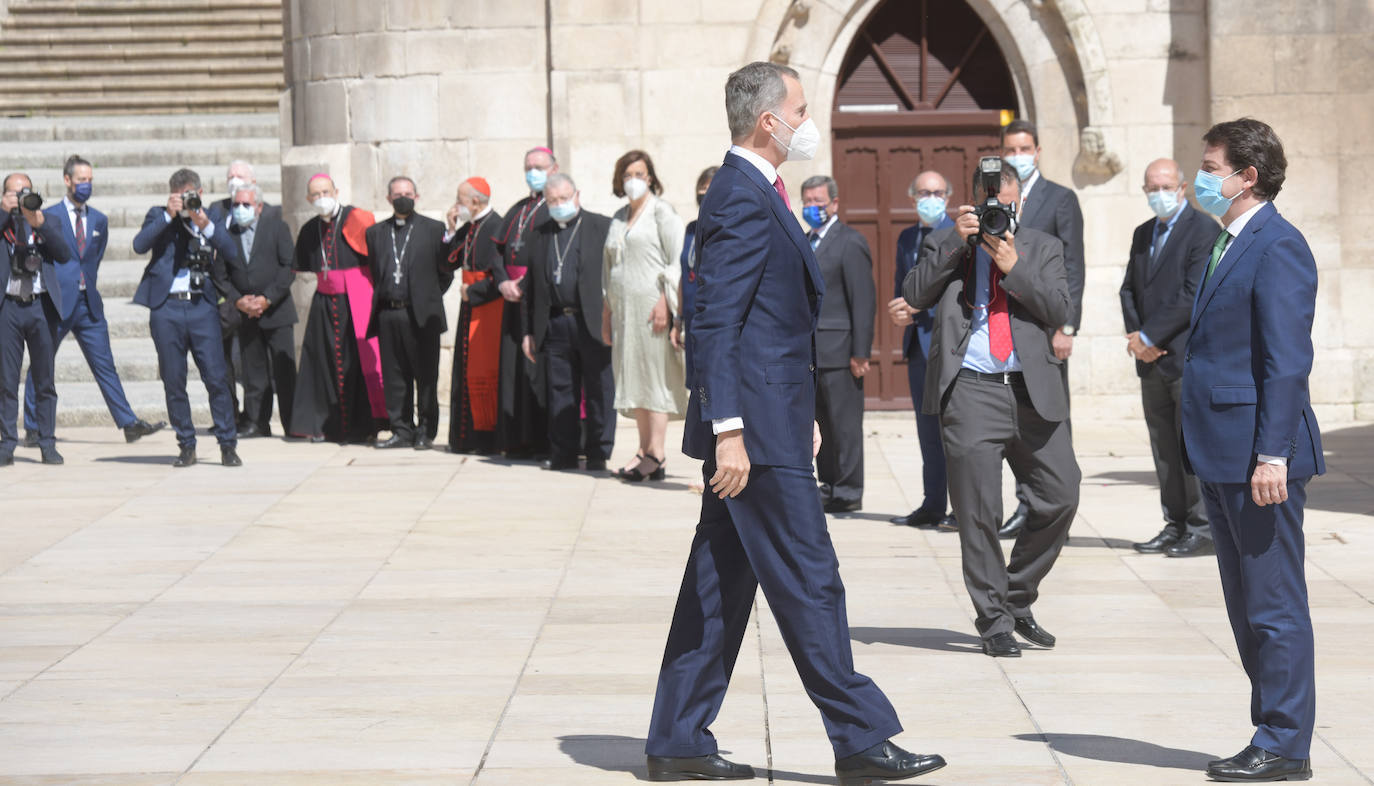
(436, 91)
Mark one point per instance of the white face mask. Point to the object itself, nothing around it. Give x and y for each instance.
(325, 206)
(635, 188)
(244, 214)
(805, 141)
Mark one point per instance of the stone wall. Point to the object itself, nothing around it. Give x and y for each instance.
(445, 90)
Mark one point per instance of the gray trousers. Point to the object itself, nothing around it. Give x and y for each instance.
(1180, 494)
(840, 415)
(983, 423)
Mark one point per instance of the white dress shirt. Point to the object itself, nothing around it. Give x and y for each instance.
(182, 281)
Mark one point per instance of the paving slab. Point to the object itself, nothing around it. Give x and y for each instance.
(345, 616)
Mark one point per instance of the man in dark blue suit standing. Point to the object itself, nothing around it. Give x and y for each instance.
(1251, 437)
(180, 292)
(82, 309)
(930, 193)
(33, 250)
(750, 418)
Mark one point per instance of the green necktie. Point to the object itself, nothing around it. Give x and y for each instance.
(1218, 248)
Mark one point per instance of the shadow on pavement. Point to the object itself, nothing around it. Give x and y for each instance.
(1092, 541)
(1124, 478)
(618, 753)
(1101, 747)
(160, 459)
(920, 638)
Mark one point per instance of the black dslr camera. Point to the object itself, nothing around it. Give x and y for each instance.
(30, 199)
(190, 200)
(199, 257)
(26, 261)
(994, 217)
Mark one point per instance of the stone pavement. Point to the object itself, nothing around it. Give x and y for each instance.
(330, 615)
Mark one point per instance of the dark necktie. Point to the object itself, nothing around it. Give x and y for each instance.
(81, 238)
(1160, 229)
(815, 237)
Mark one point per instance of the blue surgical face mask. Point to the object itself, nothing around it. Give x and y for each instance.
(81, 192)
(244, 214)
(814, 215)
(931, 209)
(1023, 163)
(1207, 187)
(1164, 203)
(535, 179)
(562, 212)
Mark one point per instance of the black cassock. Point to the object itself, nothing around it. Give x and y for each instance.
(340, 372)
(472, 256)
(522, 427)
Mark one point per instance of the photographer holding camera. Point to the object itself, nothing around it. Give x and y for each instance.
(996, 383)
(180, 287)
(29, 312)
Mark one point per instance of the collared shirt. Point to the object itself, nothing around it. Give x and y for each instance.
(72, 209)
(245, 236)
(1027, 186)
(15, 283)
(181, 282)
(824, 228)
(978, 356)
(1157, 245)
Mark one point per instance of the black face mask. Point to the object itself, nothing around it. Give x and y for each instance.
(403, 205)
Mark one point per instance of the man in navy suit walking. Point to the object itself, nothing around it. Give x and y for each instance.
(1251, 437)
(82, 310)
(179, 290)
(33, 250)
(930, 193)
(750, 418)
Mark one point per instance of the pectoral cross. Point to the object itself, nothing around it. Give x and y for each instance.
(396, 276)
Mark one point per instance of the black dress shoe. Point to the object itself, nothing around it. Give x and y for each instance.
(596, 465)
(948, 524)
(1192, 545)
(843, 505)
(920, 518)
(1256, 765)
(186, 458)
(1001, 645)
(394, 441)
(51, 456)
(884, 762)
(1027, 629)
(423, 442)
(697, 768)
(252, 430)
(30, 439)
(1156, 545)
(142, 428)
(1013, 525)
(558, 465)
(229, 457)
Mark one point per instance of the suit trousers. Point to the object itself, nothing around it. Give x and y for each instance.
(772, 536)
(93, 336)
(32, 324)
(1180, 494)
(933, 478)
(985, 422)
(268, 356)
(410, 373)
(178, 327)
(840, 414)
(577, 366)
(1260, 556)
(1022, 493)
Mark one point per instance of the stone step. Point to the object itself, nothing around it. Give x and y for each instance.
(141, 103)
(189, 37)
(98, 7)
(135, 360)
(221, 54)
(98, 127)
(169, 153)
(105, 70)
(61, 85)
(19, 25)
(81, 404)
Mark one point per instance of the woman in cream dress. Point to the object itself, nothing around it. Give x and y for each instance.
(641, 288)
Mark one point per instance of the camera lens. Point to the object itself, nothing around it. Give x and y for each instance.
(995, 222)
(30, 200)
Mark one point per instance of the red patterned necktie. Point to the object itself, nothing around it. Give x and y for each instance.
(80, 231)
(999, 320)
(782, 192)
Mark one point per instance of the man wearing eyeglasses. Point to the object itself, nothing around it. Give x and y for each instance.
(930, 193)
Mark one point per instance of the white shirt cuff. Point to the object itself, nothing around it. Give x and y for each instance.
(722, 425)
(1279, 460)
(448, 235)
(209, 231)
(1145, 339)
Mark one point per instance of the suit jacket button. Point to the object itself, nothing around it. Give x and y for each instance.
(811, 368)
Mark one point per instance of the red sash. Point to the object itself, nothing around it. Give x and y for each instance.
(483, 358)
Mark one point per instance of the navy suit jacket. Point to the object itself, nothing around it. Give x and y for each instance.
(908, 254)
(168, 242)
(56, 255)
(1157, 295)
(752, 337)
(88, 263)
(1053, 209)
(1249, 355)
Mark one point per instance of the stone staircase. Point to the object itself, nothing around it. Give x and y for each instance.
(83, 57)
(132, 157)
